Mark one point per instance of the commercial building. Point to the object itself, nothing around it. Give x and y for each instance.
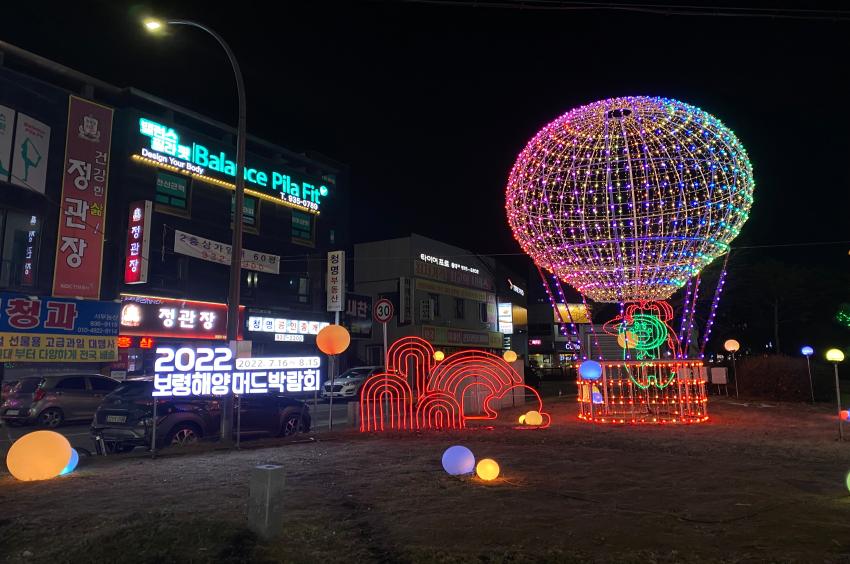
(128, 199)
(440, 292)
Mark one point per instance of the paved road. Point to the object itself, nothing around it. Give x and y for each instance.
(78, 433)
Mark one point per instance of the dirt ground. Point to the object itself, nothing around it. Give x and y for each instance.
(758, 483)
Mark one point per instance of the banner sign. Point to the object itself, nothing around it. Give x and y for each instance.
(29, 153)
(151, 316)
(435, 271)
(212, 371)
(358, 315)
(30, 253)
(291, 330)
(336, 280)
(7, 124)
(454, 291)
(213, 251)
(85, 177)
(45, 329)
(138, 243)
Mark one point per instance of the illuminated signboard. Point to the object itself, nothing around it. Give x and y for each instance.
(292, 330)
(515, 288)
(535, 342)
(166, 148)
(506, 318)
(167, 317)
(212, 371)
(447, 263)
(138, 243)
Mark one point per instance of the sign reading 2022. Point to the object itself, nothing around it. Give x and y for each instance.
(165, 147)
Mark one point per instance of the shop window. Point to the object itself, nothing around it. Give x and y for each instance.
(482, 312)
(435, 307)
(303, 229)
(460, 312)
(21, 233)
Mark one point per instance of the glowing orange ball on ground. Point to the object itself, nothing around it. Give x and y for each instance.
(439, 355)
(40, 455)
(533, 418)
(487, 469)
(509, 356)
(333, 339)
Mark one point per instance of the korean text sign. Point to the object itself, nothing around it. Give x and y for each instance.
(336, 280)
(138, 243)
(45, 329)
(82, 215)
(212, 371)
(167, 317)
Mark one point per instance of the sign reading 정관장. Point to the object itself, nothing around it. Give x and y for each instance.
(82, 216)
(45, 329)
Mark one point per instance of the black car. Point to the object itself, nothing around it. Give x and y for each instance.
(124, 419)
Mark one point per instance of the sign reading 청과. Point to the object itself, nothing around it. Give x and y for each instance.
(85, 176)
(213, 251)
(212, 371)
(45, 329)
(336, 280)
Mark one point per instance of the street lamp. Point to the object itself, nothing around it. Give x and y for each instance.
(807, 352)
(835, 356)
(155, 26)
(732, 346)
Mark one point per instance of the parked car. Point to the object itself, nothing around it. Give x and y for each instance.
(51, 400)
(125, 418)
(347, 384)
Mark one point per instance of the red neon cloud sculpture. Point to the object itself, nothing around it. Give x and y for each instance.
(416, 392)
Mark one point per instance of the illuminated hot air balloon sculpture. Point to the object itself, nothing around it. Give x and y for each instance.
(627, 200)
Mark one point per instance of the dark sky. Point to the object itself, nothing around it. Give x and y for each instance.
(434, 102)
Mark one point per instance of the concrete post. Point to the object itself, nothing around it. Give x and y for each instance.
(265, 502)
(354, 414)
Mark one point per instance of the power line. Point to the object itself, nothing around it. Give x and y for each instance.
(658, 9)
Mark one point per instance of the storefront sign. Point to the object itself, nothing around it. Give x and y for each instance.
(213, 251)
(206, 371)
(358, 315)
(445, 263)
(336, 280)
(461, 337)
(7, 126)
(506, 318)
(249, 211)
(30, 253)
(461, 278)
(79, 246)
(291, 330)
(163, 145)
(138, 243)
(302, 229)
(29, 153)
(45, 329)
(172, 191)
(151, 316)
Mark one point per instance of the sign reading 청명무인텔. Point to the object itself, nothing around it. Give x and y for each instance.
(45, 329)
(82, 219)
(163, 145)
(212, 371)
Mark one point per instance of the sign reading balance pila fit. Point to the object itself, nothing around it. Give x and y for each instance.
(165, 146)
(45, 329)
(212, 371)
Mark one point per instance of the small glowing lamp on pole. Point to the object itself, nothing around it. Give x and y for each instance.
(732, 346)
(807, 352)
(835, 356)
(333, 340)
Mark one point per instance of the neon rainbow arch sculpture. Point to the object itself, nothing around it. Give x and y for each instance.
(417, 392)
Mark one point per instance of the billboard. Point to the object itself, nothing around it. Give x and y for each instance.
(85, 178)
(29, 153)
(152, 316)
(137, 254)
(7, 125)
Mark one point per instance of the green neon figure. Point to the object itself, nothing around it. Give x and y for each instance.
(25, 156)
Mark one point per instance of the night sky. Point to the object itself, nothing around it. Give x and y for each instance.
(431, 103)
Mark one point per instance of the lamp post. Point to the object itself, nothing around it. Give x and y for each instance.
(835, 356)
(154, 26)
(807, 352)
(732, 346)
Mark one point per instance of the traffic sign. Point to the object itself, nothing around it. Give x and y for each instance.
(383, 310)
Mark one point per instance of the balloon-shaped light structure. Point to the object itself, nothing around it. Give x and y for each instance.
(333, 339)
(590, 370)
(72, 463)
(40, 455)
(509, 356)
(807, 351)
(626, 199)
(487, 469)
(732, 345)
(835, 355)
(458, 460)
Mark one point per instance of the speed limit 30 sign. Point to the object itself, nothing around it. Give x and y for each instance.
(383, 310)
